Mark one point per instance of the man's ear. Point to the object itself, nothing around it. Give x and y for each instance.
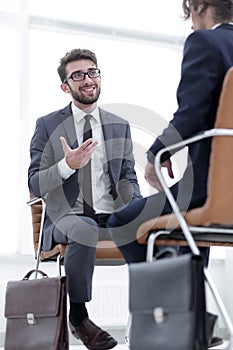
(201, 8)
(65, 87)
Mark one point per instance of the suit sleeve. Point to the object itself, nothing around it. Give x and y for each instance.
(194, 94)
(43, 173)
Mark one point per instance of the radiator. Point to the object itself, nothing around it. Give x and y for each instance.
(109, 305)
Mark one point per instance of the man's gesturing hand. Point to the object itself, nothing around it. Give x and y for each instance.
(79, 157)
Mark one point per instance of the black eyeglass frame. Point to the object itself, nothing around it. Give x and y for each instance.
(97, 70)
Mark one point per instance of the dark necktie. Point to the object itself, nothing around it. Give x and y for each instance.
(87, 184)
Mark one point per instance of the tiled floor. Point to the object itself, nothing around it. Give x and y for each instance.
(124, 347)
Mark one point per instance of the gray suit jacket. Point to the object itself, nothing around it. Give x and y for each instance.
(46, 151)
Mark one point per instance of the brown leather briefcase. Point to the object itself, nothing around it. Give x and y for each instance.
(36, 313)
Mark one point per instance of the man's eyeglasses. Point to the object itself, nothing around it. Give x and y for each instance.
(79, 76)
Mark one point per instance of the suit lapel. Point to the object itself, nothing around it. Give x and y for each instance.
(107, 127)
(68, 123)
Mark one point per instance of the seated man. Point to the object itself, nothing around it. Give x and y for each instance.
(82, 164)
(208, 54)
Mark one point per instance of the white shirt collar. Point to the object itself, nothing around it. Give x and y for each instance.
(219, 24)
(79, 113)
(216, 25)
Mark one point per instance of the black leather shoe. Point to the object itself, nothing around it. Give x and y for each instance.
(215, 341)
(92, 336)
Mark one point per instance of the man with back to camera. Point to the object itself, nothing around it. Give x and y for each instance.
(62, 163)
(208, 54)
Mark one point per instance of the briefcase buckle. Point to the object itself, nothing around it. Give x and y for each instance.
(159, 315)
(31, 319)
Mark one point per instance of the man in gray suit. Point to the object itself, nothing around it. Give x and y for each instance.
(70, 147)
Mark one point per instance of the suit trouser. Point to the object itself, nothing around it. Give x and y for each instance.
(80, 234)
(123, 224)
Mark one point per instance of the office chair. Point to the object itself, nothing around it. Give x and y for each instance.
(107, 252)
(211, 224)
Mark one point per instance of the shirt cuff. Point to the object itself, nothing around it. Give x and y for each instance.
(64, 169)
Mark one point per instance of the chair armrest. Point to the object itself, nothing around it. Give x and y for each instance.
(35, 200)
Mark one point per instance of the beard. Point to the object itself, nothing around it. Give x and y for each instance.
(86, 100)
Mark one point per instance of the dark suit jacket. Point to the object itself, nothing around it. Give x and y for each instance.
(207, 56)
(46, 151)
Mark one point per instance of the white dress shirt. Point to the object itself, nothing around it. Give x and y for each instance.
(101, 185)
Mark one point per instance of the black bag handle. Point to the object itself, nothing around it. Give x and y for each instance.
(167, 252)
(27, 276)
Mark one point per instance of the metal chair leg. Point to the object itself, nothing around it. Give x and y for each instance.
(127, 331)
(59, 260)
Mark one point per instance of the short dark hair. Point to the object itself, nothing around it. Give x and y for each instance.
(74, 55)
(223, 9)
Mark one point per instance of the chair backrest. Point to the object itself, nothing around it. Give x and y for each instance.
(217, 209)
(218, 206)
(107, 252)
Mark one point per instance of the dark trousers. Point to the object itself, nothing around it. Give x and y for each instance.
(80, 234)
(123, 224)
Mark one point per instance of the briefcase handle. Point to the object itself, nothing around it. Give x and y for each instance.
(165, 252)
(27, 276)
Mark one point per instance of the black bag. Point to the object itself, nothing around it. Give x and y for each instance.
(168, 306)
(36, 312)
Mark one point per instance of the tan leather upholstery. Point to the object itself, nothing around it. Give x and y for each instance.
(218, 207)
(106, 250)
